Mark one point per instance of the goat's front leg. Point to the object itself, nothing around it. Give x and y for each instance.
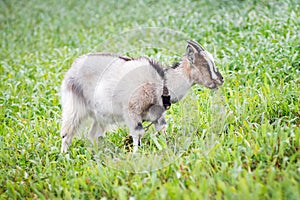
(137, 133)
(134, 122)
(161, 124)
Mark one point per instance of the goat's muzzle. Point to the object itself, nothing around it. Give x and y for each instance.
(216, 83)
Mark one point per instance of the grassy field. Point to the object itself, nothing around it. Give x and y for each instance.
(242, 142)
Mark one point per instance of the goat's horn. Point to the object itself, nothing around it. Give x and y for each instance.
(196, 45)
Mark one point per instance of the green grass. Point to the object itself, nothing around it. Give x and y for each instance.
(245, 138)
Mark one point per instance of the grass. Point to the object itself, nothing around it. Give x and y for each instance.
(245, 139)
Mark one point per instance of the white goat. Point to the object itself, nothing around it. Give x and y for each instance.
(113, 89)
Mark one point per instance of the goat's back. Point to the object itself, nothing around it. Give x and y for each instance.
(107, 82)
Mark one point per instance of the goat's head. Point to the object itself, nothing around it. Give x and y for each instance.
(201, 66)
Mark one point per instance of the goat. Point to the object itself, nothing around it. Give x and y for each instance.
(113, 89)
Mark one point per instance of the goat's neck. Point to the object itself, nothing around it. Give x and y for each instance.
(178, 81)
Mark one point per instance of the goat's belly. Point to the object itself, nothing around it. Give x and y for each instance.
(109, 119)
(107, 112)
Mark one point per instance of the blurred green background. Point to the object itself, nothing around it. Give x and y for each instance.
(256, 47)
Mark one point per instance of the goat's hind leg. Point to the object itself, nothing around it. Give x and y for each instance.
(68, 130)
(73, 111)
(95, 132)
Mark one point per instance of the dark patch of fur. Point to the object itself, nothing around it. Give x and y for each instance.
(175, 65)
(157, 67)
(153, 63)
(112, 55)
(75, 87)
(125, 58)
(139, 126)
(197, 46)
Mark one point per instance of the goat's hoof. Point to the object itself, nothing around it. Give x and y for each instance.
(164, 131)
(64, 148)
(135, 149)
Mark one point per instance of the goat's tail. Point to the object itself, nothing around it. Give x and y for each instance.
(73, 110)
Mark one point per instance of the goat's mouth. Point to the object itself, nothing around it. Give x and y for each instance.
(215, 85)
(212, 86)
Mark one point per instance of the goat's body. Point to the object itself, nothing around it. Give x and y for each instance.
(111, 90)
(114, 89)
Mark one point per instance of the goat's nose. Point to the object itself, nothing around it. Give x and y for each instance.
(220, 78)
(219, 82)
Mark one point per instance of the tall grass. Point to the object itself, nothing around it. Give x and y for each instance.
(244, 139)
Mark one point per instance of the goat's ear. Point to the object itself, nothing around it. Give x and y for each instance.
(196, 45)
(190, 52)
